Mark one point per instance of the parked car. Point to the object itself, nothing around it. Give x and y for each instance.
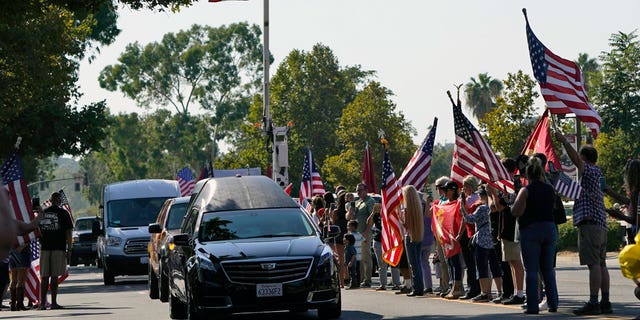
(128, 208)
(84, 249)
(245, 245)
(167, 224)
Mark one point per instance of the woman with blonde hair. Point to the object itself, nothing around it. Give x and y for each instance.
(414, 224)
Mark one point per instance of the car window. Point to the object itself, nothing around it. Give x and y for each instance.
(260, 223)
(83, 224)
(176, 214)
(133, 212)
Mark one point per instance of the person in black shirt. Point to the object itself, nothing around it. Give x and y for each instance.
(55, 246)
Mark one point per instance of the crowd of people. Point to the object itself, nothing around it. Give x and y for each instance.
(503, 242)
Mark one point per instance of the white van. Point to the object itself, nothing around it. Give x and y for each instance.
(127, 209)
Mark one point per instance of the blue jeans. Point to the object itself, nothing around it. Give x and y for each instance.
(426, 266)
(538, 242)
(383, 267)
(414, 252)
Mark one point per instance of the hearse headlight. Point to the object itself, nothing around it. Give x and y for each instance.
(326, 260)
(206, 268)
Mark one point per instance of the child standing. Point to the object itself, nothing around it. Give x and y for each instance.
(352, 226)
(350, 259)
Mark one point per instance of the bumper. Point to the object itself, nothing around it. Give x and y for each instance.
(240, 297)
(127, 265)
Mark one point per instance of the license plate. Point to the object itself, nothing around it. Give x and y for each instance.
(144, 260)
(269, 290)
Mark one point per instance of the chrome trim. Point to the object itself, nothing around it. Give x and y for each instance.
(268, 260)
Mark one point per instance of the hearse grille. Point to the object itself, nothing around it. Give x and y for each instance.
(267, 271)
(136, 246)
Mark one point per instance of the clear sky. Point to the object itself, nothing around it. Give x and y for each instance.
(418, 48)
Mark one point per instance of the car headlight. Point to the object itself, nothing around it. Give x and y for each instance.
(206, 269)
(326, 260)
(113, 241)
(76, 238)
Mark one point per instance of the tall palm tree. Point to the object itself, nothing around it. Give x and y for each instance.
(588, 66)
(481, 94)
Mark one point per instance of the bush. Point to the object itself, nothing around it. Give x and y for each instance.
(568, 236)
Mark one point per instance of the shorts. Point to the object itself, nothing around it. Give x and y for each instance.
(592, 245)
(53, 263)
(511, 251)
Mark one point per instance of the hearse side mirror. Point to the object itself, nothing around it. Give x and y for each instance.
(181, 239)
(155, 228)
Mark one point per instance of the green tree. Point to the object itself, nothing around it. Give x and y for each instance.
(361, 120)
(163, 144)
(441, 161)
(614, 149)
(480, 95)
(589, 67)
(513, 119)
(617, 94)
(311, 90)
(216, 67)
(41, 44)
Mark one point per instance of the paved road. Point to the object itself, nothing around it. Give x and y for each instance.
(85, 297)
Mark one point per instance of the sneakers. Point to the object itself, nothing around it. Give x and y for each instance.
(514, 300)
(353, 286)
(396, 287)
(428, 291)
(403, 290)
(482, 298)
(543, 305)
(605, 307)
(497, 300)
(381, 288)
(588, 309)
(365, 285)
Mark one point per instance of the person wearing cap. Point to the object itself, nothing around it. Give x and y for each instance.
(440, 264)
(453, 262)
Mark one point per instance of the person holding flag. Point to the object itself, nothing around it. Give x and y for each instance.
(55, 248)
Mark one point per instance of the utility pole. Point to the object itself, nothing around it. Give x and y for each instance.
(276, 136)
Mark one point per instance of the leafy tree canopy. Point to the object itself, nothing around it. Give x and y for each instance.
(361, 121)
(216, 67)
(513, 119)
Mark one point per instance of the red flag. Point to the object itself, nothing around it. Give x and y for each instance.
(540, 142)
(368, 175)
(561, 83)
(419, 166)
(311, 184)
(288, 188)
(473, 155)
(445, 224)
(392, 247)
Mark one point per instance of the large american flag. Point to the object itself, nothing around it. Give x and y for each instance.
(392, 247)
(561, 83)
(417, 171)
(568, 187)
(473, 155)
(14, 181)
(186, 182)
(311, 184)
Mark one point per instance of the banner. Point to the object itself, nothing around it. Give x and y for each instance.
(446, 224)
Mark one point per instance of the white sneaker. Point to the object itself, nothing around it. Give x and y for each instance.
(543, 305)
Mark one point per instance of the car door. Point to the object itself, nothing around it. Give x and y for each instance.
(181, 253)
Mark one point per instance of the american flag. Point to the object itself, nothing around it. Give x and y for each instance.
(568, 187)
(473, 155)
(561, 83)
(14, 181)
(65, 204)
(419, 166)
(391, 226)
(186, 182)
(311, 184)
